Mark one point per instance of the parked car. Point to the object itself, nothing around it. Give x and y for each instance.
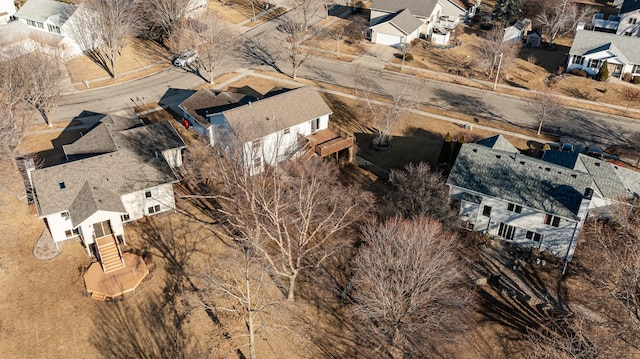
(186, 58)
(567, 147)
(595, 152)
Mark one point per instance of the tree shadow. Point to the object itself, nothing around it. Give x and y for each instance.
(468, 104)
(257, 52)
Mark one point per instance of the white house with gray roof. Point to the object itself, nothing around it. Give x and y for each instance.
(119, 171)
(591, 48)
(60, 23)
(7, 9)
(540, 203)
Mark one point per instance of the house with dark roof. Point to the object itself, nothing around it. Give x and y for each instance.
(394, 23)
(119, 171)
(591, 48)
(539, 203)
(270, 128)
(629, 18)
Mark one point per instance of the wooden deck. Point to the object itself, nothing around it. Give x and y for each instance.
(327, 142)
(103, 285)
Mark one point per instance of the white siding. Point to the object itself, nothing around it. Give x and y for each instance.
(7, 7)
(627, 25)
(173, 157)
(137, 204)
(58, 225)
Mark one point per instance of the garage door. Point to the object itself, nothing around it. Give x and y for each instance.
(387, 39)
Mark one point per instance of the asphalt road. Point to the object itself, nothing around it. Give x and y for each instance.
(264, 51)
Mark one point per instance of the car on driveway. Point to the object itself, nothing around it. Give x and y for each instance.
(186, 58)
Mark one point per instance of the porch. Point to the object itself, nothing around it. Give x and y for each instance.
(116, 283)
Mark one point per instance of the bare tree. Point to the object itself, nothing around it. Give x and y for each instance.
(616, 251)
(215, 40)
(112, 23)
(243, 278)
(566, 337)
(631, 94)
(295, 35)
(494, 52)
(418, 191)
(307, 10)
(404, 97)
(290, 214)
(561, 17)
(408, 286)
(35, 79)
(163, 16)
(546, 107)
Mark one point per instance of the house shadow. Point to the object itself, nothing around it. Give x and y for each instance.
(414, 146)
(174, 97)
(549, 57)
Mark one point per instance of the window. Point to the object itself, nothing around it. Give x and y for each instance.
(287, 131)
(40, 25)
(154, 209)
(256, 144)
(64, 215)
(632, 20)
(72, 232)
(534, 236)
(257, 162)
(506, 231)
(102, 229)
(627, 33)
(53, 28)
(62, 185)
(577, 59)
(514, 208)
(315, 124)
(486, 211)
(147, 194)
(31, 23)
(636, 69)
(551, 220)
(125, 217)
(593, 63)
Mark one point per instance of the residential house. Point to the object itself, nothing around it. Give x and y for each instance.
(521, 199)
(119, 171)
(626, 22)
(7, 9)
(534, 38)
(271, 129)
(60, 24)
(539, 203)
(591, 48)
(629, 18)
(459, 10)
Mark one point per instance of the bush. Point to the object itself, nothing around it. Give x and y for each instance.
(603, 73)
(415, 42)
(578, 72)
(636, 80)
(628, 76)
(408, 57)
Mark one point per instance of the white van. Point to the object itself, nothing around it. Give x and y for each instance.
(186, 58)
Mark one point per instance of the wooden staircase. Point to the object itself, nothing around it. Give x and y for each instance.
(110, 255)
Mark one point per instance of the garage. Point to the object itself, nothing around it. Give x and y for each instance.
(386, 39)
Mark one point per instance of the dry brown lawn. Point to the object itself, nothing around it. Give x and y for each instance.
(143, 56)
(237, 11)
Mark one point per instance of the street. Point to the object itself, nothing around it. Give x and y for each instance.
(264, 52)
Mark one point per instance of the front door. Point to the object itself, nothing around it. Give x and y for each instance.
(102, 229)
(617, 70)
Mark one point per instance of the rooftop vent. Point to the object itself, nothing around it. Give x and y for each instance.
(574, 175)
(522, 162)
(498, 156)
(62, 185)
(475, 150)
(597, 164)
(548, 169)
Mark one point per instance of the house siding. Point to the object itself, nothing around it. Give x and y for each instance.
(629, 24)
(58, 225)
(86, 227)
(560, 240)
(137, 205)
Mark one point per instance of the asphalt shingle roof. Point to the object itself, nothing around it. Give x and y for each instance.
(277, 112)
(136, 165)
(422, 8)
(403, 21)
(626, 47)
(206, 101)
(498, 142)
(520, 179)
(629, 5)
(41, 10)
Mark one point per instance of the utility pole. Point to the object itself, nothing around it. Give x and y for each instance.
(495, 83)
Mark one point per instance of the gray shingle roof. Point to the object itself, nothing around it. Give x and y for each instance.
(41, 10)
(98, 139)
(136, 165)
(610, 180)
(403, 21)
(498, 142)
(629, 5)
(92, 198)
(206, 102)
(626, 47)
(422, 8)
(520, 179)
(275, 113)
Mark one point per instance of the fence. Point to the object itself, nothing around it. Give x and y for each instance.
(373, 168)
